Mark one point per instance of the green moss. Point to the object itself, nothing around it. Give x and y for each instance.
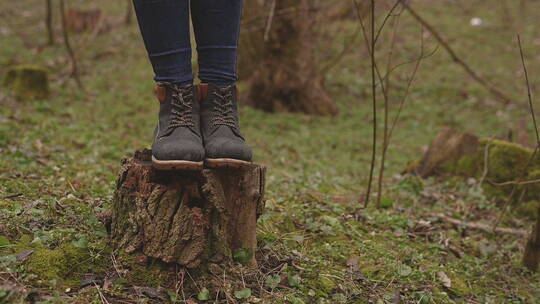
(66, 263)
(507, 160)
(322, 285)
(4, 241)
(459, 287)
(151, 274)
(27, 82)
(467, 165)
(326, 284)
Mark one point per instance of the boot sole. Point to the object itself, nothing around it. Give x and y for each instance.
(176, 165)
(226, 163)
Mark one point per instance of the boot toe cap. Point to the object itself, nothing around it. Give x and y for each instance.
(228, 148)
(178, 150)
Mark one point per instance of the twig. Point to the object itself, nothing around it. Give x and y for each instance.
(409, 85)
(479, 226)
(533, 155)
(486, 162)
(386, 106)
(374, 105)
(386, 20)
(529, 95)
(71, 53)
(101, 295)
(389, 132)
(12, 196)
(527, 182)
(492, 89)
(531, 256)
(270, 19)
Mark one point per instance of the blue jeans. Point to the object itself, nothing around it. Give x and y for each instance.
(165, 30)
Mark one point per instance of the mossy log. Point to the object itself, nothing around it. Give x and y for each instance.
(187, 218)
(27, 82)
(499, 163)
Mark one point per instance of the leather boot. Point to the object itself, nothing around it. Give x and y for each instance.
(177, 142)
(223, 143)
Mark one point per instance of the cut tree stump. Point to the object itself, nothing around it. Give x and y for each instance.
(187, 218)
(27, 82)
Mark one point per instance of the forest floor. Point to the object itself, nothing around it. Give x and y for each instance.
(59, 159)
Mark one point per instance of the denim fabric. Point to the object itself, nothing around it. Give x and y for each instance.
(164, 26)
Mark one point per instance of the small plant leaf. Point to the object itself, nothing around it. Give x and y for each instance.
(243, 255)
(294, 281)
(243, 293)
(386, 203)
(81, 241)
(204, 294)
(272, 281)
(405, 270)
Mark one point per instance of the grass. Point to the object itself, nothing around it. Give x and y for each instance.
(59, 158)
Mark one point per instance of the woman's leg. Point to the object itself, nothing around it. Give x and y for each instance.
(164, 27)
(177, 138)
(217, 28)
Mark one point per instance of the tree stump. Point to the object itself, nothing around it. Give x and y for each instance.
(27, 82)
(282, 69)
(187, 218)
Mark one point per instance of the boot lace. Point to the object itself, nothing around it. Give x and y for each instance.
(181, 107)
(224, 108)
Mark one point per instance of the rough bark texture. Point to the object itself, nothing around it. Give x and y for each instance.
(188, 218)
(278, 50)
(449, 146)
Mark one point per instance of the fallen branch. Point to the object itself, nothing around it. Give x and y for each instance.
(477, 77)
(479, 226)
(527, 182)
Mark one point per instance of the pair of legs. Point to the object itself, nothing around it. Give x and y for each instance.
(197, 124)
(165, 29)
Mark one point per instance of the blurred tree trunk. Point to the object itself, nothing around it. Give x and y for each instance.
(278, 55)
(49, 22)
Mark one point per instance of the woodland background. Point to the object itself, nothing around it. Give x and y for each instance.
(307, 80)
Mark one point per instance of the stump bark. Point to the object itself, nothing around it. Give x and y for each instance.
(187, 218)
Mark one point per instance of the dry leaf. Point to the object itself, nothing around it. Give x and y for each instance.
(445, 280)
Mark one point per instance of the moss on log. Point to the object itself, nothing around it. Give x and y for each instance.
(187, 218)
(27, 82)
